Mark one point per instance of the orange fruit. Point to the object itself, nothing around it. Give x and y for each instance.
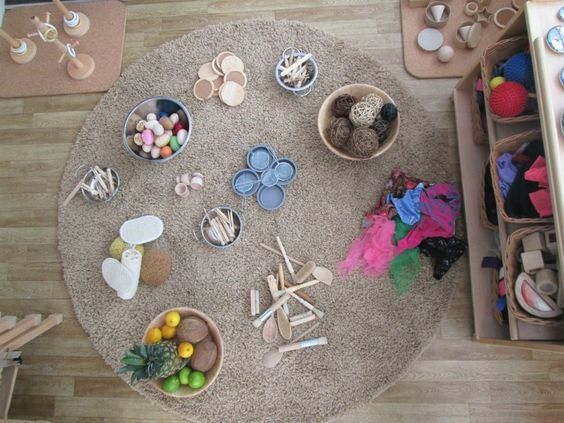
(168, 332)
(154, 336)
(185, 349)
(172, 319)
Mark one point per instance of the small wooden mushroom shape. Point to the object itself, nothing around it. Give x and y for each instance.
(22, 50)
(75, 24)
(80, 66)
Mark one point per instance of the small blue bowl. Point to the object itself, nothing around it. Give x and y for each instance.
(245, 182)
(260, 158)
(271, 198)
(285, 170)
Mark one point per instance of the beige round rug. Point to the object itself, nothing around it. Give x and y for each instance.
(373, 334)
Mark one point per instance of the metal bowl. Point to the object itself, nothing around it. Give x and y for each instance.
(155, 105)
(304, 89)
(237, 219)
(92, 181)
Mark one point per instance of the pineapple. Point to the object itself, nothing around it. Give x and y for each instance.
(152, 361)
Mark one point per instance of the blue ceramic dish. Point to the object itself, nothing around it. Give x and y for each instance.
(285, 170)
(260, 158)
(271, 198)
(245, 182)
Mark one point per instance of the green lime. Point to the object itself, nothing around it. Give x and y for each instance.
(183, 375)
(171, 384)
(196, 380)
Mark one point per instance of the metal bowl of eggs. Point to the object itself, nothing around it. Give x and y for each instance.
(157, 129)
(221, 227)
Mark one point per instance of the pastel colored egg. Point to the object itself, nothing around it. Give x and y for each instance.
(144, 154)
(148, 137)
(160, 115)
(182, 135)
(174, 144)
(158, 129)
(155, 152)
(166, 122)
(162, 140)
(140, 125)
(166, 152)
(151, 116)
(146, 148)
(174, 118)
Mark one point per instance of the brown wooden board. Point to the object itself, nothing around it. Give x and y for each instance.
(421, 64)
(44, 75)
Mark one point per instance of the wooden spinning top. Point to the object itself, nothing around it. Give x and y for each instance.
(80, 66)
(22, 50)
(75, 24)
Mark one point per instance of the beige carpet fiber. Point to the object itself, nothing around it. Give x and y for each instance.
(373, 335)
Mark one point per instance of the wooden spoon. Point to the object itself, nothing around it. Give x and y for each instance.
(270, 330)
(322, 273)
(306, 270)
(281, 317)
(271, 358)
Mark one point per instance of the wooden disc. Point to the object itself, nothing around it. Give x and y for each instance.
(217, 85)
(231, 63)
(216, 68)
(232, 93)
(430, 39)
(206, 72)
(236, 76)
(221, 56)
(85, 71)
(203, 89)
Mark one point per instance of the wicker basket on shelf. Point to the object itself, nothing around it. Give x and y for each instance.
(510, 145)
(478, 134)
(512, 271)
(483, 212)
(493, 54)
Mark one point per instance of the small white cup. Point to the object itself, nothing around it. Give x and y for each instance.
(182, 190)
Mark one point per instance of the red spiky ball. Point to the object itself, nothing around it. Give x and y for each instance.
(509, 99)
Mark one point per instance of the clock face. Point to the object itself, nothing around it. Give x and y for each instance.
(555, 39)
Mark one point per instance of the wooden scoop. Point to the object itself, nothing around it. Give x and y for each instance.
(271, 358)
(321, 273)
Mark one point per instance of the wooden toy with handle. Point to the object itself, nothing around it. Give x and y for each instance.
(75, 24)
(80, 66)
(22, 50)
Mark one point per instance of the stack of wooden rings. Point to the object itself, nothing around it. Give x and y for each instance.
(224, 76)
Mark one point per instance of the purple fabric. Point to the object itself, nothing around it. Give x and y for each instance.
(507, 172)
(440, 205)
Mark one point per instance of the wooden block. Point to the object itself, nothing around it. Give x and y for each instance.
(534, 241)
(9, 375)
(44, 326)
(532, 261)
(23, 325)
(7, 323)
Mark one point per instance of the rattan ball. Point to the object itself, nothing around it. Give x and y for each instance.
(342, 105)
(381, 127)
(375, 100)
(339, 132)
(364, 142)
(389, 112)
(362, 114)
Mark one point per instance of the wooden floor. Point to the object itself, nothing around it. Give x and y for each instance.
(64, 380)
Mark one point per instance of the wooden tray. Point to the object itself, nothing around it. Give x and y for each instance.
(421, 64)
(44, 75)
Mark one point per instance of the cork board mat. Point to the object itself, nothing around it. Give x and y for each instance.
(422, 64)
(44, 75)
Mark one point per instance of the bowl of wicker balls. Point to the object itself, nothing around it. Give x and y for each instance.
(358, 122)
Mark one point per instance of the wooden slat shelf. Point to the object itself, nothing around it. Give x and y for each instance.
(483, 241)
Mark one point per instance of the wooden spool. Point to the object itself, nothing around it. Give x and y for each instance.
(80, 66)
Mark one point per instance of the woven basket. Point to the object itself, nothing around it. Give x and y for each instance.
(478, 134)
(510, 145)
(483, 214)
(495, 53)
(512, 271)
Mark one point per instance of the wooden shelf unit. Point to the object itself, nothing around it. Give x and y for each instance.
(481, 240)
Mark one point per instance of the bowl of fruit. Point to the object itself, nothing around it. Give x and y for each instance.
(181, 353)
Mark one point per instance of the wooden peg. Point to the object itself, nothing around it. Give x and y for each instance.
(47, 32)
(75, 24)
(80, 66)
(22, 50)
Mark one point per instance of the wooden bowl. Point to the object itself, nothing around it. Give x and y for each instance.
(358, 91)
(185, 391)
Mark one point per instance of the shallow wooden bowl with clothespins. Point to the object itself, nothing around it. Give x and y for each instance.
(358, 91)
